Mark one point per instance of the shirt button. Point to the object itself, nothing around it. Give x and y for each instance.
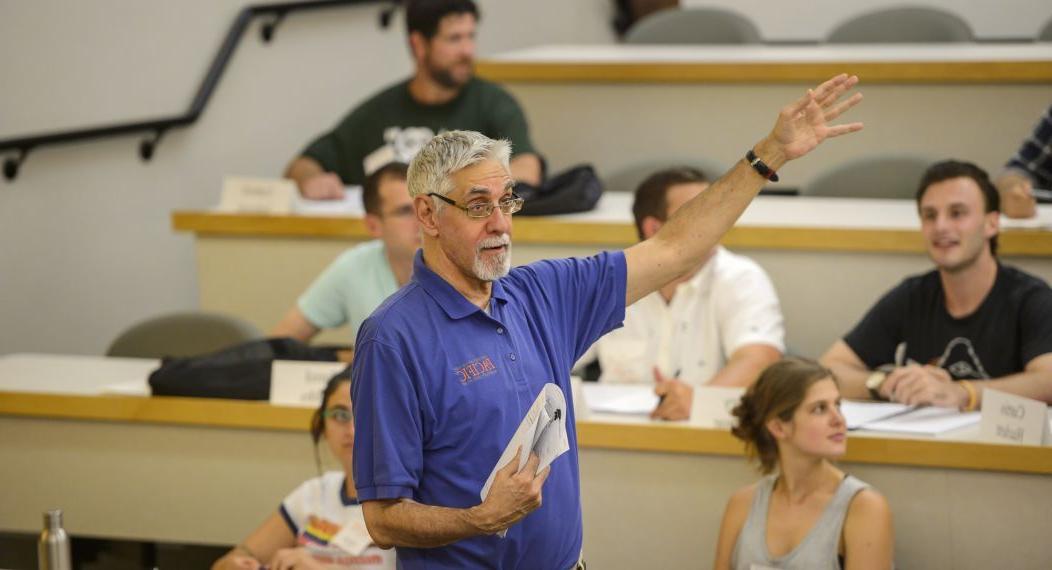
(500, 330)
(512, 357)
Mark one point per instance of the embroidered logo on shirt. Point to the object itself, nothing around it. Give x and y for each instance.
(475, 369)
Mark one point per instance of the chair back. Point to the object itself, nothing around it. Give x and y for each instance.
(871, 177)
(182, 334)
(693, 26)
(903, 25)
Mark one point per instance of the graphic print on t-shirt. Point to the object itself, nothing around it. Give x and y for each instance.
(406, 142)
(961, 361)
(316, 536)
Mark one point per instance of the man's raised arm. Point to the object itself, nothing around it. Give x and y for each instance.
(697, 226)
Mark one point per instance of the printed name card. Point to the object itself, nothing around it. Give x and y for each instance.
(296, 383)
(257, 195)
(1013, 419)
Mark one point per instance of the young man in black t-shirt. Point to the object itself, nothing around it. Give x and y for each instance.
(973, 323)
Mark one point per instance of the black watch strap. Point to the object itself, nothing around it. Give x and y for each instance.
(761, 166)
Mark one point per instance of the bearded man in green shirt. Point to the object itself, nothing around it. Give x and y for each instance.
(443, 94)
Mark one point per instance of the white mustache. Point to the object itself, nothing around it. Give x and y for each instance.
(495, 241)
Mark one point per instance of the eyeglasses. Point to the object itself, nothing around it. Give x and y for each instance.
(338, 415)
(483, 210)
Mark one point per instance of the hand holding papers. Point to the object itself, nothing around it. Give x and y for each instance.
(541, 433)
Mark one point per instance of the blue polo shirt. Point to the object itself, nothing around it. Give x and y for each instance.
(439, 387)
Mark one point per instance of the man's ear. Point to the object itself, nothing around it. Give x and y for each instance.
(417, 46)
(992, 224)
(651, 225)
(425, 215)
(373, 225)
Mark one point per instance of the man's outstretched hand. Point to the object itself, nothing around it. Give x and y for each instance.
(804, 124)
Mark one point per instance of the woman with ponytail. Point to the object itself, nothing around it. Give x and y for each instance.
(805, 513)
(320, 525)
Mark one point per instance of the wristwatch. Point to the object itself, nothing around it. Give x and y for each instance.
(874, 382)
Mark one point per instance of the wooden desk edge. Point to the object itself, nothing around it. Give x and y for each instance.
(938, 453)
(919, 72)
(204, 412)
(552, 230)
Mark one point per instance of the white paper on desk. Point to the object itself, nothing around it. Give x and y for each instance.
(542, 431)
(636, 399)
(857, 414)
(128, 388)
(931, 420)
(349, 205)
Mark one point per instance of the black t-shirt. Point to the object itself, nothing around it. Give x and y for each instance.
(1011, 327)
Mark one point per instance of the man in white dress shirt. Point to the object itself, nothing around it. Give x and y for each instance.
(719, 325)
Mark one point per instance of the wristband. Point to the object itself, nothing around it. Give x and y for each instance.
(973, 397)
(760, 166)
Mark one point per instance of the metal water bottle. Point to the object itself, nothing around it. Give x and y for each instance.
(53, 547)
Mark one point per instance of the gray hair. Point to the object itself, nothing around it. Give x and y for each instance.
(433, 167)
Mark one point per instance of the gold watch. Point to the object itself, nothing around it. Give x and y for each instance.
(874, 382)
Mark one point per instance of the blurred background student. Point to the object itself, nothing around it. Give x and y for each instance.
(321, 515)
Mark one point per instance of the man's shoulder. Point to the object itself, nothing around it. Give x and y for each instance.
(730, 264)
(487, 92)
(919, 284)
(397, 316)
(544, 270)
(1019, 280)
(1028, 289)
(363, 256)
(383, 98)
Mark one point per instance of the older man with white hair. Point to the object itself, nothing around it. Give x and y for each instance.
(448, 366)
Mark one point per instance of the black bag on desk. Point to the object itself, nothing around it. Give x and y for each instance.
(240, 372)
(571, 191)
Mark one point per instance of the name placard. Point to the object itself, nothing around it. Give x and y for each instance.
(1007, 418)
(712, 406)
(257, 195)
(296, 383)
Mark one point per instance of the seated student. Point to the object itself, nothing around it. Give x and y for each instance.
(363, 276)
(1030, 167)
(720, 324)
(443, 94)
(807, 514)
(972, 323)
(300, 533)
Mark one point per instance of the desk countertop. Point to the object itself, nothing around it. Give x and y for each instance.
(99, 389)
(774, 222)
(903, 63)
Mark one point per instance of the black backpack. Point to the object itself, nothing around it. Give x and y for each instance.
(571, 191)
(240, 372)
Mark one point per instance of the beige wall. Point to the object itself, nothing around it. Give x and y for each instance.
(85, 242)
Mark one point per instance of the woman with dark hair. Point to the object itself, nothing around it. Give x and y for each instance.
(805, 512)
(320, 524)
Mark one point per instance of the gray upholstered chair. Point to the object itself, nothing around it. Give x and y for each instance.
(871, 177)
(693, 26)
(903, 25)
(628, 178)
(182, 334)
(1045, 35)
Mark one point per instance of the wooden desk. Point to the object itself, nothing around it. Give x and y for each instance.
(619, 107)
(826, 256)
(919, 63)
(208, 471)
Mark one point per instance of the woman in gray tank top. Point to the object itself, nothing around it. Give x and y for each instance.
(805, 513)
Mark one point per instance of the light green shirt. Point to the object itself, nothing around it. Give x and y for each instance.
(350, 288)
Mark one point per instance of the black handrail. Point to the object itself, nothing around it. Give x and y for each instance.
(156, 128)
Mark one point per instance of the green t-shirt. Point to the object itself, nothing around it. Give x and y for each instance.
(393, 126)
